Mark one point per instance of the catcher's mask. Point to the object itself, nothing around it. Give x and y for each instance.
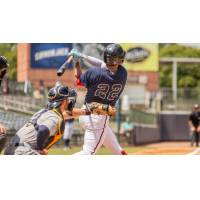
(58, 94)
(114, 55)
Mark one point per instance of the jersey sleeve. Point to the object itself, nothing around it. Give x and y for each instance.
(94, 61)
(190, 118)
(78, 83)
(52, 125)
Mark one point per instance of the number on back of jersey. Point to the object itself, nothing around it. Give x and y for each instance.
(104, 88)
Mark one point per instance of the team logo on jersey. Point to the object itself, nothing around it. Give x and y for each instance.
(137, 54)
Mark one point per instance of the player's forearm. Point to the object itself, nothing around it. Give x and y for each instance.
(77, 70)
(75, 113)
(93, 61)
(191, 124)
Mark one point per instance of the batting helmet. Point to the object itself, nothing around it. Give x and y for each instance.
(58, 94)
(114, 55)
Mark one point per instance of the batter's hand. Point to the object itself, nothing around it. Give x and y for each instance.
(43, 152)
(3, 130)
(193, 128)
(77, 56)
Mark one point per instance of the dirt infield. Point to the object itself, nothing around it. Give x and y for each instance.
(166, 151)
(168, 148)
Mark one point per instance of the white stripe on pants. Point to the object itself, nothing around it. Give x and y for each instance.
(97, 133)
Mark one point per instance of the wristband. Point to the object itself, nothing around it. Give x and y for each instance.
(87, 112)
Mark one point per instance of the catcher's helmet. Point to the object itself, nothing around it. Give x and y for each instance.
(58, 94)
(114, 55)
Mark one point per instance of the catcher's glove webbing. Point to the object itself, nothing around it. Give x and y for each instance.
(100, 109)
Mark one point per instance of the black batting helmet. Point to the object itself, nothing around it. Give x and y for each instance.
(114, 55)
(58, 94)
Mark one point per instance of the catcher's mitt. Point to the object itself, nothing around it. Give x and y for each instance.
(102, 109)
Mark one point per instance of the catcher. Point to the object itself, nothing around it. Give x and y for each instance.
(47, 126)
(105, 82)
(4, 68)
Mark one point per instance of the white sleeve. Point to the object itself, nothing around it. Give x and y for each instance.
(94, 61)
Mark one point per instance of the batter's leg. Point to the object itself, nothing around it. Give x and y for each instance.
(112, 144)
(92, 142)
(94, 135)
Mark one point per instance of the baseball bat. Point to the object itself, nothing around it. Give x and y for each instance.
(61, 71)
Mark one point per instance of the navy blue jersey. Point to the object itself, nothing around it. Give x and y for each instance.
(103, 85)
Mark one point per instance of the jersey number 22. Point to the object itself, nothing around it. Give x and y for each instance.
(104, 88)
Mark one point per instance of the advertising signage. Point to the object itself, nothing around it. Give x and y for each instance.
(49, 55)
(141, 56)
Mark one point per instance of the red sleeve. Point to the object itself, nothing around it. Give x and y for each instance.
(78, 83)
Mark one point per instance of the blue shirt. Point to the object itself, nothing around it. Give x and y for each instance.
(104, 86)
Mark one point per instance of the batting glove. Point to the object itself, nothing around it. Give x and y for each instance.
(77, 56)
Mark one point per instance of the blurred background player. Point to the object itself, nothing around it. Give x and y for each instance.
(4, 68)
(105, 82)
(194, 120)
(68, 132)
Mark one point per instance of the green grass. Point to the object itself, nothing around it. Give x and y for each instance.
(102, 150)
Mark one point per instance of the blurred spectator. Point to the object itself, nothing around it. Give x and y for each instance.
(194, 120)
(126, 127)
(68, 133)
(152, 97)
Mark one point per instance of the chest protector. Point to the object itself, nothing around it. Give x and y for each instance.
(61, 127)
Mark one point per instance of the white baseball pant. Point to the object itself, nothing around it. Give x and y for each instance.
(97, 133)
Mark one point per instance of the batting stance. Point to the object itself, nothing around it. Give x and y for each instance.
(47, 126)
(105, 82)
(4, 68)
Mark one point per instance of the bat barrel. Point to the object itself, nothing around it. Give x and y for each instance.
(61, 71)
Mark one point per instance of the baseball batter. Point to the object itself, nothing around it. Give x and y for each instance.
(4, 68)
(47, 126)
(105, 82)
